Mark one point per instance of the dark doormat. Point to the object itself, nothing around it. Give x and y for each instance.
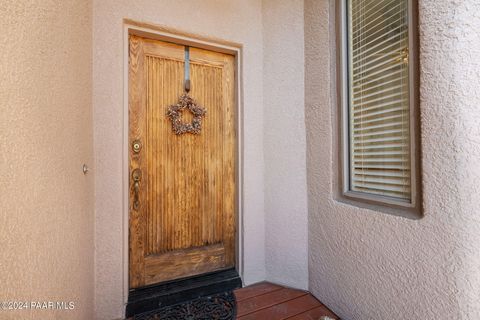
(221, 306)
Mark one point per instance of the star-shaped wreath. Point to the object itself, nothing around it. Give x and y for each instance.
(175, 114)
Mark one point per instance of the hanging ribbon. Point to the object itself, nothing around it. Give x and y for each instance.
(187, 69)
(186, 102)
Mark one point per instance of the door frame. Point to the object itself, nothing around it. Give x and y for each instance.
(168, 34)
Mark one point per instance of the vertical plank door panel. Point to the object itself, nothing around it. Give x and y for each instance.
(185, 224)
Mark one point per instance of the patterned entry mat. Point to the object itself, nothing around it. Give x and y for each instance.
(216, 307)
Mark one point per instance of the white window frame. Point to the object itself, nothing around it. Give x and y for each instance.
(410, 209)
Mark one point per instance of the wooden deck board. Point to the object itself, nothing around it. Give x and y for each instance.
(255, 290)
(284, 310)
(268, 301)
(314, 314)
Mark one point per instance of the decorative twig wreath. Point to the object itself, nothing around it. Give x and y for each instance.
(175, 114)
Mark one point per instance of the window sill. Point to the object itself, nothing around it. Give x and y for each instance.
(381, 204)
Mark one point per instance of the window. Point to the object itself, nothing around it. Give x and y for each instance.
(379, 96)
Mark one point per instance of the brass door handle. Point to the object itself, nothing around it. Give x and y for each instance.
(136, 177)
(136, 190)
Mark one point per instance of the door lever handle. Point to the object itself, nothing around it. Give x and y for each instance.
(136, 177)
(136, 190)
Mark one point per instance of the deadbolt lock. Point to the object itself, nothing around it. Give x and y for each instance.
(136, 146)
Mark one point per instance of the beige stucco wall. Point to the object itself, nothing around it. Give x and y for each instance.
(46, 203)
(237, 21)
(286, 211)
(362, 264)
(370, 265)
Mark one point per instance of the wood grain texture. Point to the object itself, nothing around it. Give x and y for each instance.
(184, 263)
(255, 290)
(315, 314)
(285, 309)
(136, 83)
(269, 301)
(188, 186)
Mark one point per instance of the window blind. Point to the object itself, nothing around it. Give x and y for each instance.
(379, 110)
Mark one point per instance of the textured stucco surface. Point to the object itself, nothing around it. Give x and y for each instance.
(362, 264)
(237, 21)
(370, 265)
(284, 143)
(46, 203)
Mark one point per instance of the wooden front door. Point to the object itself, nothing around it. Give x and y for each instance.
(182, 186)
